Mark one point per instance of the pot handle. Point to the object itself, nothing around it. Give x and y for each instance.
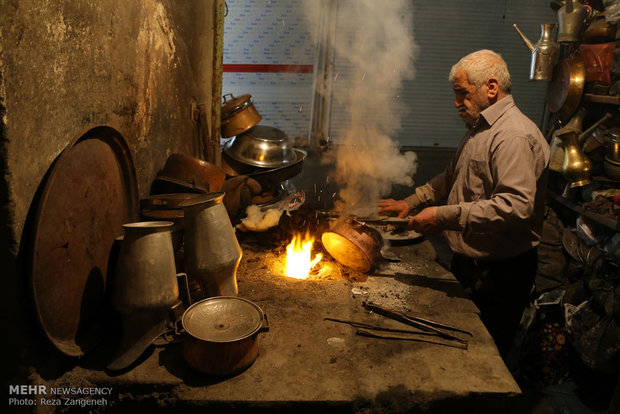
(184, 293)
(228, 94)
(265, 326)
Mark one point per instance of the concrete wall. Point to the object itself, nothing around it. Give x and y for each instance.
(67, 65)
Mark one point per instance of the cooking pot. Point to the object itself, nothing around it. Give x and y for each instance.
(192, 174)
(353, 244)
(566, 87)
(222, 334)
(238, 115)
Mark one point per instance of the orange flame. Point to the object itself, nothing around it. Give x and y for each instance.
(299, 260)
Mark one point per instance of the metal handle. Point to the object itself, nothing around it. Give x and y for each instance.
(265, 326)
(184, 293)
(228, 94)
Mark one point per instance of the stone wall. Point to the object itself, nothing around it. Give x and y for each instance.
(66, 66)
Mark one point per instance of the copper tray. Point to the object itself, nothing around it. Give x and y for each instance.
(86, 196)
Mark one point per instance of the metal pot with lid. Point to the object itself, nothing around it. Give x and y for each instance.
(238, 115)
(223, 334)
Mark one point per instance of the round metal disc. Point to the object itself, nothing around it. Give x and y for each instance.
(88, 194)
(222, 319)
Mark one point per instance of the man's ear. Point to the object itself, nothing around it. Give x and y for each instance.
(492, 88)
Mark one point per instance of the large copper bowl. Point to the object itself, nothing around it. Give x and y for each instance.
(353, 244)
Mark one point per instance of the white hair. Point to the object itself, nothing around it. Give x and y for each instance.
(482, 65)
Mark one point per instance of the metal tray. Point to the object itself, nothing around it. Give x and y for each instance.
(88, 193)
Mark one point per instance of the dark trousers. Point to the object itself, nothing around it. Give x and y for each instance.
(500, 289)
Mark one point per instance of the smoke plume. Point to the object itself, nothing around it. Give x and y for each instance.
(377, 48)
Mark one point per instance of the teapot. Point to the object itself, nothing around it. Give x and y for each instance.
(543, 52)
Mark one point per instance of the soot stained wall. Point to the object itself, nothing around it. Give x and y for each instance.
(66, 66)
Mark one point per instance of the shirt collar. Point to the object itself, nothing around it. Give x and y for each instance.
(495, 111)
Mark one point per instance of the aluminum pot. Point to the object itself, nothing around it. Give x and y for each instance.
(238, 115)
(222, 334)
(353, 244)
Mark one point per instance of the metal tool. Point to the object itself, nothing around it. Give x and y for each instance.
(398, 334)
(424, 324)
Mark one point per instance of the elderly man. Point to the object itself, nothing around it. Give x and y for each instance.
(494, 193)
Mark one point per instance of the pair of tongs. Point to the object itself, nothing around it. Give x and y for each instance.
(420, 323)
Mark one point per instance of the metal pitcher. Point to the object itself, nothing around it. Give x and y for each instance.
(557, 153)
(144, 287)
(543, 53)
(212, 252)
(570, 19)
(576, 166)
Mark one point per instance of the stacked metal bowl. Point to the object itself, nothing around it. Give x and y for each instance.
(262, 147)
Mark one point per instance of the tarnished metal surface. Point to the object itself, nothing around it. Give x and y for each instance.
(89, 192)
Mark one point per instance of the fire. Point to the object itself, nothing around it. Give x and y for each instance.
(299, 260)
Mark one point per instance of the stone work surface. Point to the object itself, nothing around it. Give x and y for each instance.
(308, 362)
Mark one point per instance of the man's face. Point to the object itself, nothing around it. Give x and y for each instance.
(468, 99)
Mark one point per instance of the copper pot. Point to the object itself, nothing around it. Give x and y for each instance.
(238, 115)
(192, 174)
(353, 244)
(222, 334)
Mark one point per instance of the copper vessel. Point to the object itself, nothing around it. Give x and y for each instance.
(353, 244)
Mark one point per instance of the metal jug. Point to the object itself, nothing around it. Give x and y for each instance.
(212, 252)
(144, 287)
(570, 19)
(576, 167)
(557, 155)
(543, 53)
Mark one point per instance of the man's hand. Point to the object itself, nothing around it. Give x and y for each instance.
(425, 222)
(400, 207)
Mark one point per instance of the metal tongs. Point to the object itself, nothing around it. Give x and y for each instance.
(417, 322)
(394, 225)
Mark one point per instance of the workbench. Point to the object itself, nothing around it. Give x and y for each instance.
(307, 362)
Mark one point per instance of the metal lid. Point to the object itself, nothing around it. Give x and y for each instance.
(200, 200)
(222, 319)
(235, 104)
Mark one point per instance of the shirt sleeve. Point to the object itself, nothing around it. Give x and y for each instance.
(435, 190)
(514, 174)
